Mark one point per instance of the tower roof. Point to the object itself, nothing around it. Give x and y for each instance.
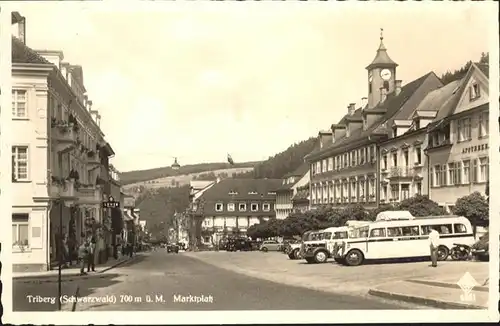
(382, 59)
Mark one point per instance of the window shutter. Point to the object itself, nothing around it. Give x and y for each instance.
(432, 176)
(474, 170)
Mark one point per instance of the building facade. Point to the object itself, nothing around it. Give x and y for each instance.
(231, 206)
(403, 161)
(458, 141)
(289, 188)
(345, 170)
(300, 201)
(56, 162)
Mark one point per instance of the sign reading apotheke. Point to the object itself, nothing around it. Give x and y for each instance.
(476, 148)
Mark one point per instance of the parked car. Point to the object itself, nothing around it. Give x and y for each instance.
(480, 249)
(292, 249)
(241, 244)
(270, 245)
(172, 247)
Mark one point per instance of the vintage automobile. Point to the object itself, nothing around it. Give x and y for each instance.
(292, 249)
(321, 248)
(239, 244)
(270, 245)
(480, 249)
(172, 247)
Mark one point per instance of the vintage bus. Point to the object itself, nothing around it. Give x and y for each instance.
(395, 239)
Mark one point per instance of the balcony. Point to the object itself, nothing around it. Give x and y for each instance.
(401, 172)
(89, 194)
(62, 188)
(64, 136)
(93, 159)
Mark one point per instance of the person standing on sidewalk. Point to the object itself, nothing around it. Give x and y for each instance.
(434, 244)
(91, 260)
(83, 255)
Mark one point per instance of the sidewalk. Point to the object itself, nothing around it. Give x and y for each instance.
(438, 292)
(70, 274)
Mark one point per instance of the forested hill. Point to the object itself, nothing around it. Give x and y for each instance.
(157, 173)
(280, 164)
(450, 76)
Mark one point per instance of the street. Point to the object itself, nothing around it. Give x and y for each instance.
(176, 282)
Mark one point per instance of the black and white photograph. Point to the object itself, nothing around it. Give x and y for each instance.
(299, 160)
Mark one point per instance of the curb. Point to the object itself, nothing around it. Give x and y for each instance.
(448, 285)
(68, 278)
(441, 304)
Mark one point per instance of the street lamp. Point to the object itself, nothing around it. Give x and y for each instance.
(68, 202)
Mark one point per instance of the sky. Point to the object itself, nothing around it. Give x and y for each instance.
(200, 81)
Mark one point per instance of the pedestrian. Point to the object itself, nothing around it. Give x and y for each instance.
(83, 253)
(65, 252)
(434, 244)
(91, 256)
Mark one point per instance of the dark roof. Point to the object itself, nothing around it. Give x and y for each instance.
(242, 188)
(23, 54)
(382, 59)
(77, 72)
(390, 106)
(485, 68)
(299, 172)
(15, 17)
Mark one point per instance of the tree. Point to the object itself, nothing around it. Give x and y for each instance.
(475, 207)
(420, 205)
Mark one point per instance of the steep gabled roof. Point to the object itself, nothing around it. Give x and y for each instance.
(485, 68)
(21, 53)
(390, 106)
(242, 189)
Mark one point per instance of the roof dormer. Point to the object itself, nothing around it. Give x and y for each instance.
(354, 120)
(338, 131)
(325, 138)
(400, 127)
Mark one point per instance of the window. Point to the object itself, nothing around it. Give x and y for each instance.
(230, 207)
(353, 189)
(444, 228)
(483, 169)
(318, 167)
(474, 171)
(254, 207)
(418, 155)
(233, 193)
(405, 191)
(406, 157)
(466, 172)
(459, 228)
(324, 164)
(252, 193)
(19, 163)
(410, 231)
(464, 129)
(313, 169)
(20, 227)
(474, 92)
(451, 173)
(19, 104)
(242, 207)
(395, 192)
(394, 232)
(266, 207)
(377, 233)
(484, 122)
(218, 207)
(417, 123)
(394, 131)
(395, 159)
(418, 188)
(206, 222)
(384, 162)
(330, 164)
(439, 175)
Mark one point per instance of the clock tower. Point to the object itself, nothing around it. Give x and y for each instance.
(381, 74)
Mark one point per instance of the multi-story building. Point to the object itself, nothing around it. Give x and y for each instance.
(458, 140)
(403, 163)
(289, 188)
(232, 205)
(57, 153)
(344, 170)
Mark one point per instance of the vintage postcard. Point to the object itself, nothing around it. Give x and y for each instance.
(203, 161)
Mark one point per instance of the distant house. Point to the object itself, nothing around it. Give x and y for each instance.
(231, 206)
(289, 188)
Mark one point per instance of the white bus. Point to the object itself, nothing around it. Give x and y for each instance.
(403, 239)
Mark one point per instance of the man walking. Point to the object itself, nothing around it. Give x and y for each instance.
(91, 261)
(433, 244)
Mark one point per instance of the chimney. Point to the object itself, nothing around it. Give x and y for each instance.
(96, 116)
(21, 29)
(85, 99)
(398, 87)
(364, 102)
(89, 105)
(383, 94)
(352, 108)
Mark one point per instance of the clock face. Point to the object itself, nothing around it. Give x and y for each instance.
(385, 74)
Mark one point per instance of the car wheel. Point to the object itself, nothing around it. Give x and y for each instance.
(354, 258)
(295, 253)
(320, 257)
(442, 253)
(264, 249)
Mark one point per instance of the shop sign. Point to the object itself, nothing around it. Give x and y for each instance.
(476, 148)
